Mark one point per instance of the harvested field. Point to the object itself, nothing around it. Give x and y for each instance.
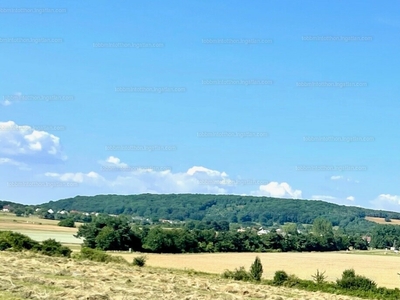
(29, 276)
(382, 221)
(381, 268)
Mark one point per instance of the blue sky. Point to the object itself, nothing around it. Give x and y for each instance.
(291, 100)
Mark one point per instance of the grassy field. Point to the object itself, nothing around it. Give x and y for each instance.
(28, 276)
(381, 268)
(373, 264)
(39, 229)
(382, 221)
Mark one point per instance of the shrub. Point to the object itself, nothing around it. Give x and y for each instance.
(67, 223)
(319, 278)
(16, 241)
(139, 261)
(97, 255)
(292, 281)
(256, 269)
(51, 247)
(280, 277)
(237, 274)
(351, 281)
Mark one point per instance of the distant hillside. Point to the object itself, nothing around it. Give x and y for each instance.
(232, 208)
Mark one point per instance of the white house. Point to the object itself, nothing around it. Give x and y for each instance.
(50, 211)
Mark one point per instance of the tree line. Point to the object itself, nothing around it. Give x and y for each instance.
(117, 233)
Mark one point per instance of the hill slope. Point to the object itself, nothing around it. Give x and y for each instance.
(232, 208)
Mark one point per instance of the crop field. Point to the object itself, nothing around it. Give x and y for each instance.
(30, 276)
(382, 221)
(38, 229)
(381, 268)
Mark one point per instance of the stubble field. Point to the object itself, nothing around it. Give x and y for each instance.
(27, 276)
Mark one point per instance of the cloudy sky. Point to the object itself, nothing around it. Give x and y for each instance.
(293, 100)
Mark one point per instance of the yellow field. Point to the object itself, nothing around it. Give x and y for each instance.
(382, 221)
(30, 276)
(381, 268)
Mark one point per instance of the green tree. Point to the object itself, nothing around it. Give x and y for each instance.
(256, 269)
(69, 222)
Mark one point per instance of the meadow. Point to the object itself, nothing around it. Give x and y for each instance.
(31, 276)
(39, 229)
(373, 264)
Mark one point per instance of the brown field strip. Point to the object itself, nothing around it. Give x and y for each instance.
(382, 221)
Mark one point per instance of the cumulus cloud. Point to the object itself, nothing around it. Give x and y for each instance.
(24, 143)
(89, 178)
(387, 202)
(350, 198)
(141, 179)
(279, 190)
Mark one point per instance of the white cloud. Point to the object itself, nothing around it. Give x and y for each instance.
(89, 178)
(147, 179)
(387, 202)
(9, 161)
(323, 198)
(24, 143)
(350, 198)
(336, 177)
(6, 102)
(279, 190)
(208, 172)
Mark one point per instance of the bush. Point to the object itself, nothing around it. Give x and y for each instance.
(237, 274)
(67, 223)
(51, 247)
(256, 269)
(16, 241)
(139, 261)
(351, 281)
(280, 278)
(97, 255)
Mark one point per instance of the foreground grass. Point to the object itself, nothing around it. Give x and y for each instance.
(31, 276)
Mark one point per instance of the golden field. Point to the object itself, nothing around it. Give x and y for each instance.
(381, 268)
(29, 276)
(382, 221)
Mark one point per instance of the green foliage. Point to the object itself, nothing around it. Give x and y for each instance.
(237, 274)
(351, 281)
(16, 241)
(280, 278)
(237, 209)
(139, 261)
(319, 278)
(68, 222)
(256, 269)
(51, 247)
(97, 255)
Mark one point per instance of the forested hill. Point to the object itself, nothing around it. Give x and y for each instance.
(232, 208)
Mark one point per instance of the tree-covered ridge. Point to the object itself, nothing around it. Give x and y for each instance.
(233, 208)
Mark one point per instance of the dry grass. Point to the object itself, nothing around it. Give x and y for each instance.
(381, 268)
(382, 221)
(28, 276)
